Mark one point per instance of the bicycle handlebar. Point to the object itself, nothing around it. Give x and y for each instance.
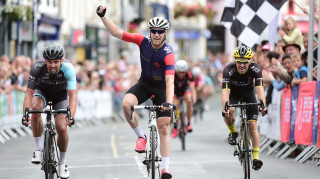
(226, 106)
(48, 111)
(151, 108)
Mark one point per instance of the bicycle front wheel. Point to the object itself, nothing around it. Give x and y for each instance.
(48, 156)
(153, 151)
(246, 158)
(182, 132)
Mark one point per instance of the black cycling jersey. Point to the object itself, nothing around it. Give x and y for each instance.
(41, 78)
(233, 80)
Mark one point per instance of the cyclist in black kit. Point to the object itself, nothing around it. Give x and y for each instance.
(239, 80)
(51, 79)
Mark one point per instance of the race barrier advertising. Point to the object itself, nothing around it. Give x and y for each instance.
(92, 106)
(285, 114)
(299, 122)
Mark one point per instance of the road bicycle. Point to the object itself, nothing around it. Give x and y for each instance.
(182, 132)
(153, 157)
(244, 148)
(50, 150)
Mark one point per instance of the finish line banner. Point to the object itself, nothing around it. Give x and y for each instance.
(285, 114)
(304, 117)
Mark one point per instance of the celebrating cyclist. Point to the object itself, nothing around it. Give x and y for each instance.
(183, 87)
(157, 77)
(239, 80)
(51, 79)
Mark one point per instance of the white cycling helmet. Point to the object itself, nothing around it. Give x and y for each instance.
(181, 66)
(196, 71)
(159, 22)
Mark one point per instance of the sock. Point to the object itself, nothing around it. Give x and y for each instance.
(62, 159)
(188, 123)
(175, 126)
(138, 131)
(38, 143)
(165, 163)
(255, 153)
(232, 128)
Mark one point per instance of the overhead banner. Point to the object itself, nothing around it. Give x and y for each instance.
(304, 117)
(285, 114)
(294, 97)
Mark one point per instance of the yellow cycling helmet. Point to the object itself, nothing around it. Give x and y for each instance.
(243, 52)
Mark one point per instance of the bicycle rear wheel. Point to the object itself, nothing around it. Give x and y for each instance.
(182, 132)
(153, 151)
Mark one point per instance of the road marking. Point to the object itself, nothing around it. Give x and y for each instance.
(114, 147)
(141, 167)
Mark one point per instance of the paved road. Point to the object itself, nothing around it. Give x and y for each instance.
(107, 152)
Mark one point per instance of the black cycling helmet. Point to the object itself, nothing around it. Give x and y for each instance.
(53, 52)
(243, 52)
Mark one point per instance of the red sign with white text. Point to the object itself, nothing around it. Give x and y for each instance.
(304, 117)
(285, 114)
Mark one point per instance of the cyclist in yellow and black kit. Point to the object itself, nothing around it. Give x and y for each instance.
(239, 80)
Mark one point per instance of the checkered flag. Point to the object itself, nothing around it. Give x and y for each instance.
(247, 19)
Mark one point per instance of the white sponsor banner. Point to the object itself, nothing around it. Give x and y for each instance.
(274, 116)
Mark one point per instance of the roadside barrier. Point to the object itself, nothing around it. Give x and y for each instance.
(94, 108)
(292, 123)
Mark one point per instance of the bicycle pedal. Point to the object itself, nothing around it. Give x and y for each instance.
(146, 162)
(235, 153)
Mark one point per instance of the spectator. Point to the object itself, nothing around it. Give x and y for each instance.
(291, 33)
(279, 48)
(302, 73)
(291, 48)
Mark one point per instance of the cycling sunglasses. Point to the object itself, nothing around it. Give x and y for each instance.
(154, 31)
(239, 62)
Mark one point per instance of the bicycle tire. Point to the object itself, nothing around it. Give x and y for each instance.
(182, 131)
(48, 156)
(246, 164)
(153, 151)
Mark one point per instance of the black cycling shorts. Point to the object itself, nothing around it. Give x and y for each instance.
(143, 90)
(59, 100)
(248, 97)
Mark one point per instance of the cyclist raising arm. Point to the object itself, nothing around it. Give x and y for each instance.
(157, 77)
(52, 79)
(238, 83)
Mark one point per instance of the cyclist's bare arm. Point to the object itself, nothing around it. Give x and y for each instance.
(193, 91)
(72, 101)
(261, 96)
(225, 96)
(111, 27)
(28, 99)
(169, 88)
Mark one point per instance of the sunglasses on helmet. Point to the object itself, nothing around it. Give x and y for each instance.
(154, 31)
(242, 62)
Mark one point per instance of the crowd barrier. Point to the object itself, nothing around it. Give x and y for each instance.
(94, 108)
(292, 123)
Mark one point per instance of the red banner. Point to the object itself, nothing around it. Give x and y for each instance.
(285, 114)
(304, 117)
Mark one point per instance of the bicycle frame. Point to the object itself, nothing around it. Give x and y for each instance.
(50, 153)
(244, 147)
(153, 156)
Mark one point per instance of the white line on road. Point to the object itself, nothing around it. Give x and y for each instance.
(114, 147)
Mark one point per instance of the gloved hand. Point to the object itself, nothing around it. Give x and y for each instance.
(103, 8)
